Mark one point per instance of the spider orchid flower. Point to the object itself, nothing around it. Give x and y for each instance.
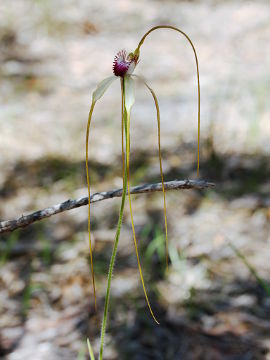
(123, 66)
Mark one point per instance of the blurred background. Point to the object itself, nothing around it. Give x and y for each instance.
(210, 306)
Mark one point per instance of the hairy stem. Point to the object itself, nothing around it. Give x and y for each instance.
(117, 235)
(122, 130)
(137, 51)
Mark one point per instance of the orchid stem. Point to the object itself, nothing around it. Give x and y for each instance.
(117, 235)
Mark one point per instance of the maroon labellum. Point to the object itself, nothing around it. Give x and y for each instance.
(124, 64)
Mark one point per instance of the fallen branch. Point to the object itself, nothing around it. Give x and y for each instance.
(10, 225)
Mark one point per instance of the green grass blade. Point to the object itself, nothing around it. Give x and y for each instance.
(252, 270)
(90, 350)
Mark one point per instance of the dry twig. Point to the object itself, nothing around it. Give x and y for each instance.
(25, 220)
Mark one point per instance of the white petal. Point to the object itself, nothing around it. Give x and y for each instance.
(129, 93)
(102, 87)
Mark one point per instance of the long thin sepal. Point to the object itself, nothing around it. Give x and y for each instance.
(137, 53)
(129, 101)
(160, 166)
(88, 190)
(97, 94)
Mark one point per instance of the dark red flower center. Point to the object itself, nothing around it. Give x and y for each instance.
(124, 64)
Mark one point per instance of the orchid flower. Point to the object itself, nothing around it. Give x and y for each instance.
(123, 66)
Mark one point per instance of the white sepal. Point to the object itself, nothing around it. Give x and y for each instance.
(102, 87)
(129, 93)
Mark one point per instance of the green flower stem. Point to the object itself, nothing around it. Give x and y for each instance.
(117, 235)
